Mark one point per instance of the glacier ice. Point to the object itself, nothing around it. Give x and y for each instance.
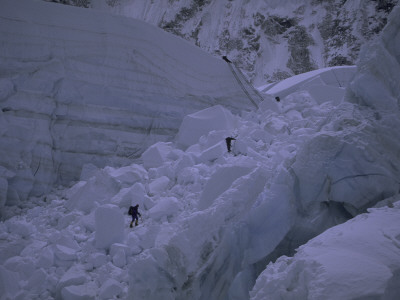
(218, 225)
(358, 259)
(110, 225)
(202, 122)
(87, 87)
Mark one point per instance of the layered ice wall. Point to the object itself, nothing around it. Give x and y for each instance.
(78, 86)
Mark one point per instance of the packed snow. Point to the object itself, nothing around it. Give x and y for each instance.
(217, 225)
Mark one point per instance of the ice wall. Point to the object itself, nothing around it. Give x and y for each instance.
(79, 86)
(377, 82)
(356, 260)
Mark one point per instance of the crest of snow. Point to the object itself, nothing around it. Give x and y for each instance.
(326, 84)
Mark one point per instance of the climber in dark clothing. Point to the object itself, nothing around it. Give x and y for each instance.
(228, 142)
(225, 58)
(133, 211)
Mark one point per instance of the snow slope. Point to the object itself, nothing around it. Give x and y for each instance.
(79, 86)
(212, 221)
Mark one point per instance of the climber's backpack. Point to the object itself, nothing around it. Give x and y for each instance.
(130, 212)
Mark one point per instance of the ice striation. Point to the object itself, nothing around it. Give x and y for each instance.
(80, 87)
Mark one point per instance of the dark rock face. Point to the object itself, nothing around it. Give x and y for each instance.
(80, 3)
(184, 15)
(300, 60)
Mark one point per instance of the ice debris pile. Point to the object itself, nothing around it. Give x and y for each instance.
(211, 221)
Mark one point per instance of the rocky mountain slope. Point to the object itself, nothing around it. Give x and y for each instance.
(269, 40)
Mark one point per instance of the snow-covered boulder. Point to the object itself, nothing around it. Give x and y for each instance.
(219, 182)
(130, 196)
(110, 289)
(20, 228)
(164, 208)
(98, 190)
(109, 226)
(74, 276)
(202, 122)
(119, 253)
(65, 255)
(214, 152)
(185, 161)
(158, 185)
(79, 292)
(127, 176)
(46, 258)
(8, 282)
(156, 155)
(97, 259)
